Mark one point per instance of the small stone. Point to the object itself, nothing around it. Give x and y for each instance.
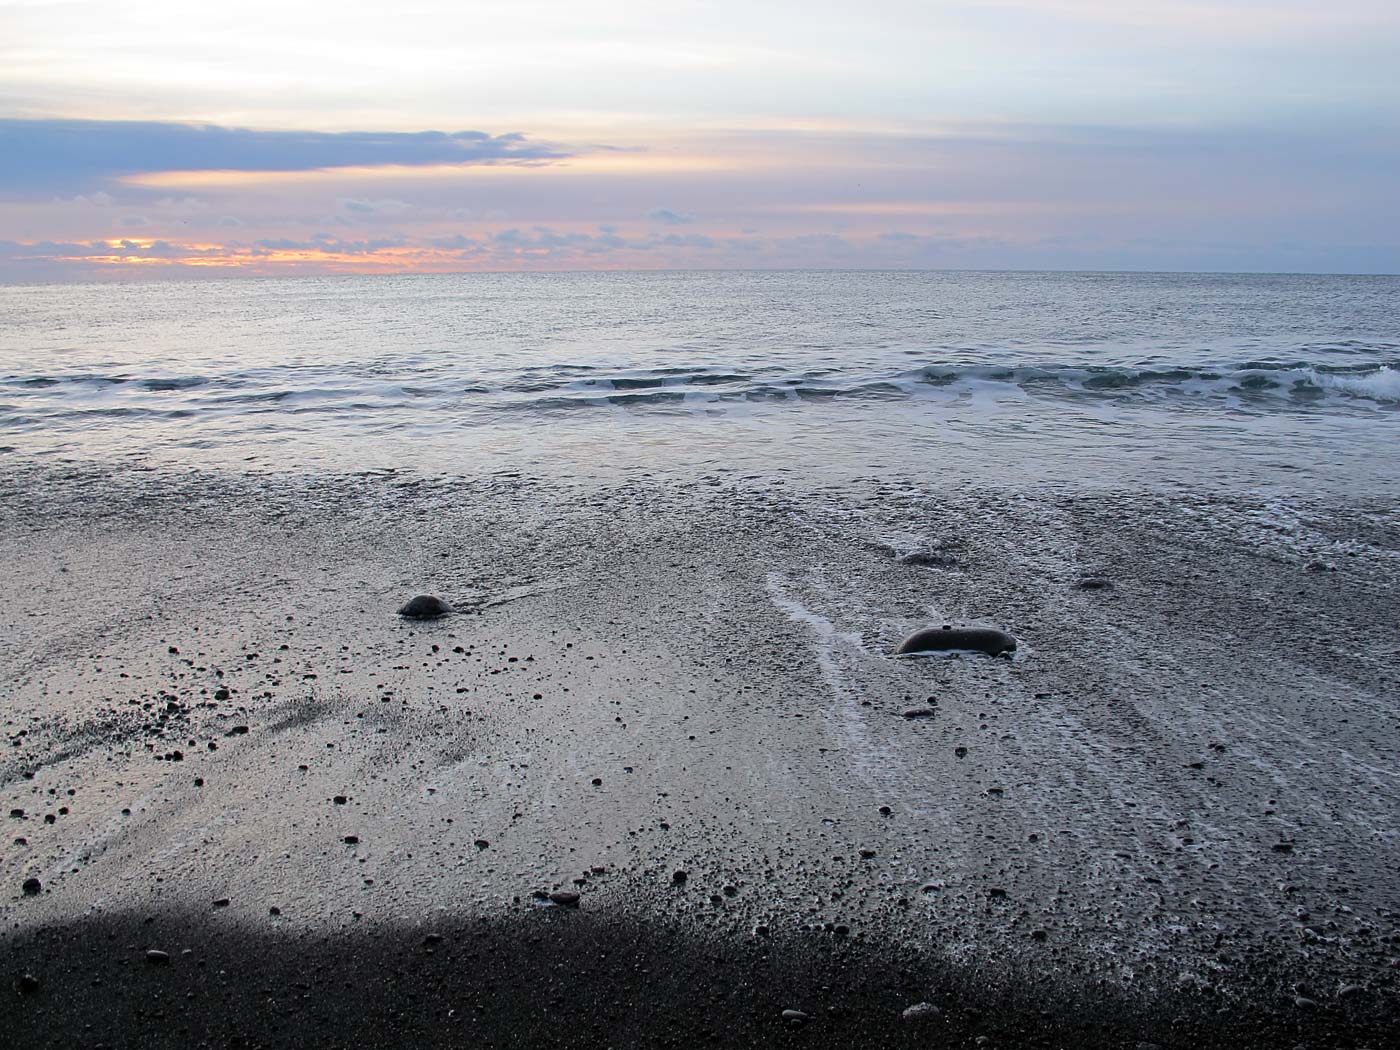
(1302, 1002)
(921, 1013)
(432, 940)
(678, 877)
(795, 1018)
(928, 559)
(885, 811)
(222, 902)
(156, 957)
(351, 840)
(565, 898)
(1283, 847)
(867, 854)
(274, 910)
(17, 814)
(961, 752)
(1094, 583)
(919, 712)
(237, 731)
(424, 607)
(221, 693)
(1350, 991)
(28, 984)
(339, 800)
(32, 887)
(481, 844)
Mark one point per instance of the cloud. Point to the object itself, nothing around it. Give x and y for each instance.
(669, 217)
(44, 154)
(379, 207)
(456, 242)
(331, 245)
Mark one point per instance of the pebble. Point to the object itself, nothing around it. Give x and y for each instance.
(921, 1013)
(28, 984)
(678, 877)
(565, 898)
(795, 1017)
(157, 957)
(351, 840)
(222, 902)
(919, 712)
(32, 887)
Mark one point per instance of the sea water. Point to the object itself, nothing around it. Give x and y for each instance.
(1263, 381)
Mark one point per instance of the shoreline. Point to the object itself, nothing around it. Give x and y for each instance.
(1175, 807)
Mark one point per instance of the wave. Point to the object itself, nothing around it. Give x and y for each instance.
(1252, 385)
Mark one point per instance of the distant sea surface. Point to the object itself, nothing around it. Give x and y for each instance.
(1263, 382)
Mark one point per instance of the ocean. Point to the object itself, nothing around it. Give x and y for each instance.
(1268, 382)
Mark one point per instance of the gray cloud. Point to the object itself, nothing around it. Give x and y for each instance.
(48, 154)
(669, 217)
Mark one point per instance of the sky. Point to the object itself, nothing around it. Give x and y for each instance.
(153, 138)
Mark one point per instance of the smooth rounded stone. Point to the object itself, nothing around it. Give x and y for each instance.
(32, 887)
(156, 957)
(919, 712)
(565, 898)
(424, 607)
(795, 1017)
(28, 984)
(957, 639)
(921, 1013)
(928, 559)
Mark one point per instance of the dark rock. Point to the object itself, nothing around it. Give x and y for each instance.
(481, 844)
(885, 811)
(156, 957)
(919, 712)
(424, 607)
(17, 813)
(795, 1017)
(1094, 583)
(237, 731)
(565, 898)
(222, 902)
(432, 940)
(28, 984)
(351, 840)
(929, 559)
(32, 887)
(957, 639)
(679, 877)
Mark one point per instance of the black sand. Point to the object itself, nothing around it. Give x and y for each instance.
(1171, 818)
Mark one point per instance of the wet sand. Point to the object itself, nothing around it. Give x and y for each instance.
(1170, 818)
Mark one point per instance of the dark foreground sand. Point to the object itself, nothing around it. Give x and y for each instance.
(1172, 819)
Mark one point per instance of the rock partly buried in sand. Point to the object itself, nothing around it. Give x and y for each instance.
(957, 639)
(425, 607)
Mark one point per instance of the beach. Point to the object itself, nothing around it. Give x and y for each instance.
(1168, 818)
